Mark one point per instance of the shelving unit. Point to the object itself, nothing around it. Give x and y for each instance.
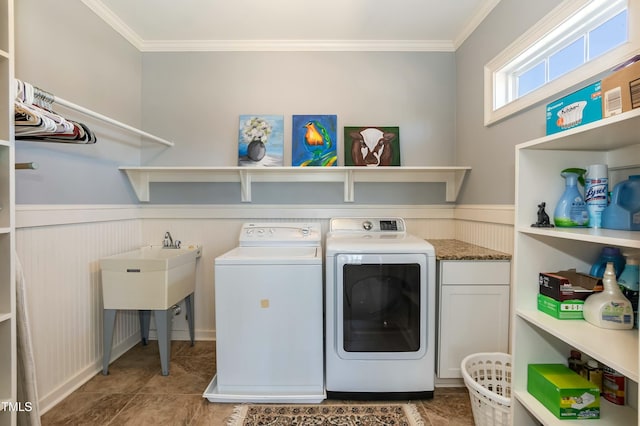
(537, 337)
(8, 368)
(141, 177)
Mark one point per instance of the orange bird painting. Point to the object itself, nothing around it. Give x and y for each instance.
(314, 140)
(312, 136)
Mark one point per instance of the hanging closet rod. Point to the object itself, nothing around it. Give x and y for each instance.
(104, 118)
(109, 120)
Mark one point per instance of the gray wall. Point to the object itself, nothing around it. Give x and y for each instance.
(490, 150)
(195, 99)
(64, 48)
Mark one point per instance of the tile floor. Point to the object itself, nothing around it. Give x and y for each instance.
(135, 393)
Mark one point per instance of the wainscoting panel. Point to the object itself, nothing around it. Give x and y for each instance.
(490, 235)
(62, 275)
(59, 248)
(486, 226)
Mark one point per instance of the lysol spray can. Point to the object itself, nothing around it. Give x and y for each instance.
(596, 191)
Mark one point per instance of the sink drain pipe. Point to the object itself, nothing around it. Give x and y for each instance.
(176, 310)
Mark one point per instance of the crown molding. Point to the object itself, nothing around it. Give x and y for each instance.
(483, 11)
(115, 22)
(297, 45)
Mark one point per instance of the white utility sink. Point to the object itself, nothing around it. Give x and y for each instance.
(149, 278)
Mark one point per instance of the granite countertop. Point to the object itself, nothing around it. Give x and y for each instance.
(459, 250)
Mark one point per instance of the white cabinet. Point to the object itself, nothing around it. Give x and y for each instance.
(474, 311)
(537, 337)
(7, 281)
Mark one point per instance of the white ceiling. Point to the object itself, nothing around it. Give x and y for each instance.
(188, 25)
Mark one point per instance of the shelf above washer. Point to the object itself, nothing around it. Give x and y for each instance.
(141, 177)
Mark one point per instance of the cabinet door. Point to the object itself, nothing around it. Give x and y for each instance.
(473, 318)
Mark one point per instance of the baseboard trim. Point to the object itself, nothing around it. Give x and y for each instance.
(50, 400)
(183, 335)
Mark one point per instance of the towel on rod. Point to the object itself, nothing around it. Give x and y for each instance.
(27, 388)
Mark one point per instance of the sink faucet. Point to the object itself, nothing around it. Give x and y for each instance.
(168, 241)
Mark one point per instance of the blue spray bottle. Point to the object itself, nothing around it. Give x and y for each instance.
(571, 210)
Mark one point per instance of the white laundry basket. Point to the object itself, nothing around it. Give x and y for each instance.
(488, 377)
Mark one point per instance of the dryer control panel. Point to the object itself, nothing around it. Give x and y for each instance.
(355, 224)
(280, 234)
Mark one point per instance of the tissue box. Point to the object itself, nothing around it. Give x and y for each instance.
(621, 90)
(576, 109)
(568, 285)
(563, 391)
(568, 309)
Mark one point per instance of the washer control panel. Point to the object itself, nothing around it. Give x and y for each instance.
(280, 234)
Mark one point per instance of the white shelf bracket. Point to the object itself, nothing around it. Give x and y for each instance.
(454, 184)
(245, 185)
(140, 183)
(349, 190)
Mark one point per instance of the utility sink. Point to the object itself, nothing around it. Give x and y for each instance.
(149, 278)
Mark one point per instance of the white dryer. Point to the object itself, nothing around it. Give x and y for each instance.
(268, 310)
(379, 310)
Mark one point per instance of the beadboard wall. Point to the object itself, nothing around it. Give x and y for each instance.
(64, 296)
(60, 247)
(486, 226)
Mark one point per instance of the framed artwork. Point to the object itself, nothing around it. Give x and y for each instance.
(261, 140)
(313, 140)
(371, 146)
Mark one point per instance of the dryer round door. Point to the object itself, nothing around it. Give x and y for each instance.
(381, 306)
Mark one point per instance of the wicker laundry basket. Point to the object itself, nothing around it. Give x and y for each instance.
(487, 376)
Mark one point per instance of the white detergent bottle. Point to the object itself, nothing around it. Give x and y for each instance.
(609, 308)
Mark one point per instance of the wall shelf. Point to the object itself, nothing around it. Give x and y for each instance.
(141, 177)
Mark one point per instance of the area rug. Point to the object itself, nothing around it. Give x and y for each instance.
(326, 415)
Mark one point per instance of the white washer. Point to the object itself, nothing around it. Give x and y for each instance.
(269, 323)
(380, 311)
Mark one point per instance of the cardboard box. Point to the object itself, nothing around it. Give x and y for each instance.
(568, 285)
(621, 90)
(563, 391)
(565, 310)
(576, 109)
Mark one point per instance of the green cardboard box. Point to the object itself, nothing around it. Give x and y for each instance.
(567, 309)
(563, 391)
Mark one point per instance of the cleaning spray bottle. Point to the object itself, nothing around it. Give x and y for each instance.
(609, 308)
(596, 193)
(571, 210)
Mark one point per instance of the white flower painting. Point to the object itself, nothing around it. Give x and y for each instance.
(261, 140)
